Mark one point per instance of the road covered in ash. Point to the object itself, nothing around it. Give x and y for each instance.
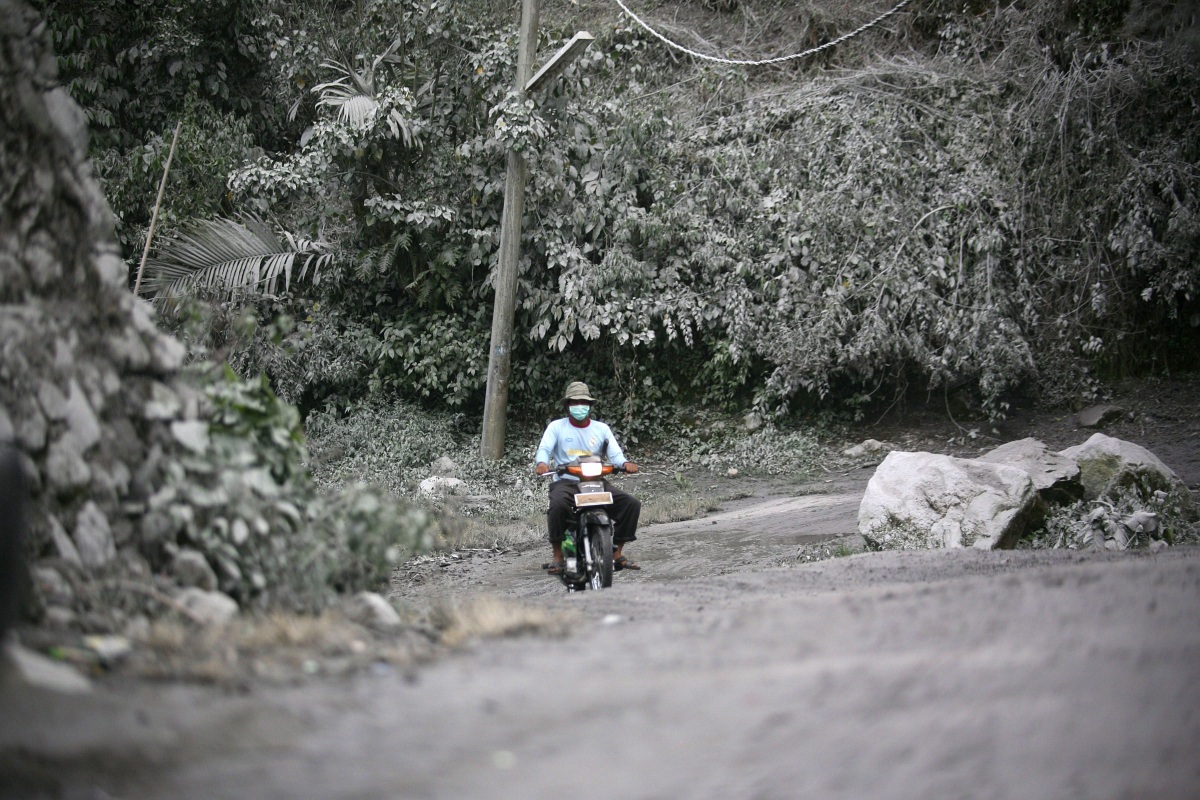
(724, 669)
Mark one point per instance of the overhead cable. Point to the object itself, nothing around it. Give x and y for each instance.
(763, 62)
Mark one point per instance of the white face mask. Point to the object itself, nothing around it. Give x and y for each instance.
(579, 413)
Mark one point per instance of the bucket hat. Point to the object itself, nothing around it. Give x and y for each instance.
(577, 390)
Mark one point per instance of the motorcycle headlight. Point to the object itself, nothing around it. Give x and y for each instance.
(591, 469)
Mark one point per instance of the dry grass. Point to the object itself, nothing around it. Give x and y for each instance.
(283, 647)
(275, 646)
(676, 508)
(468, 533)
(487, 617)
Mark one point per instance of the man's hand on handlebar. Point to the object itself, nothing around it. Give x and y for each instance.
(631, 468)
(542, 468)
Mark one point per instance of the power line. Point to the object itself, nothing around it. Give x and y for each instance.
(750, 63)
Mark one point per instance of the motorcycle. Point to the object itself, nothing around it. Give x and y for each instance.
(588, 546)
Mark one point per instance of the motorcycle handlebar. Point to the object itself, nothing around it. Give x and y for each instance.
(563, 469)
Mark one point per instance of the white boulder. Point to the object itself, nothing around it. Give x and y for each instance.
(440, 486)
(94, 537)
(372, 610)
(191, 568)
(925, 501)
(208, 608)
(21, 667)
(1108, 465)
(866, 448)
(1054, 475)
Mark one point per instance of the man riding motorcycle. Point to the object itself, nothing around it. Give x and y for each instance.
(565, 440)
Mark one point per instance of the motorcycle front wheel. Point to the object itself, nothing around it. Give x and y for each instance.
(600, 543)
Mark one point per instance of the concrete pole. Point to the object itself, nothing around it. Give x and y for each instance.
(495, 406)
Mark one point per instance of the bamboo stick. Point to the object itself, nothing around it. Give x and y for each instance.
(162, 186)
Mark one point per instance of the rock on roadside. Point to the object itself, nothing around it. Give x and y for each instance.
(1099, 415)
(926, 501)
(208, 608)
(372, 610)
(1108, 465)
(1055, 476)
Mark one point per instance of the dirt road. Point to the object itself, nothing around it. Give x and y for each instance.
(722, 670)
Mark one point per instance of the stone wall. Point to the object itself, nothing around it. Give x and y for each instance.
(89, 387)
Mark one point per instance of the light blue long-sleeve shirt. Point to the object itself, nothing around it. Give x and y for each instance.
(563, 442)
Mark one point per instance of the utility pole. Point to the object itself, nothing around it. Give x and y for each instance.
(495, 405)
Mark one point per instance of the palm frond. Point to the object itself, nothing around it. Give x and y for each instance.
(391, 253)
(388, 56)
(399, 127)
(355, 104)
(354, 93)
(228, 254)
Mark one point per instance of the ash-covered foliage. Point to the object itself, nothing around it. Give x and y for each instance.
(1127, 521)
(1002, 197)
(241, 495)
